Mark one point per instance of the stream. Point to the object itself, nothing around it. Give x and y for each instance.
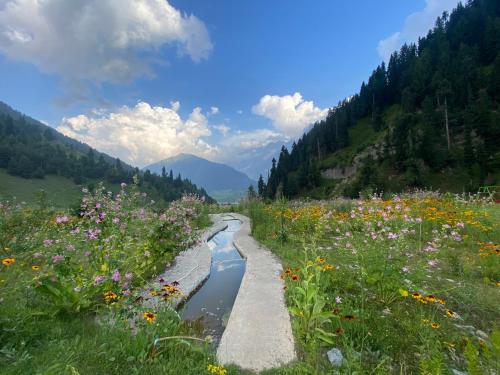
(210, 306)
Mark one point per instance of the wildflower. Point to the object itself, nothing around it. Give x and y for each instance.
(328, 267)
(62, 219)
(392, 236)
(338, 300)
(35, 267)
(57, 258)
(405, 269)
(430, 298)
(98, 279)
(129, 275)
(110, 296)
(8, 261)
(339, 331)
(37, 255)
(433, 262)
(435, 325)
(440, 301)
(320, 260)
(149, 316)
(403, 292)
(47, 243)
(295, 277)
(450, 313)
(416, 295)
(116, 276)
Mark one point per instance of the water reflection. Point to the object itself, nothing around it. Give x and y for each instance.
(211, 305)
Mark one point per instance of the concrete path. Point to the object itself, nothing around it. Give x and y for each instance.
(258, 335)
(190, 268)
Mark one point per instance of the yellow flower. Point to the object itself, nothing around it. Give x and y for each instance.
(34, 267)
(416, 295)
(403, 292)
(328, 267)
(450, 313)
(435, 325)
(110, 296)
(8, 261)
(320, 260)
(430, 298)
(149, 316)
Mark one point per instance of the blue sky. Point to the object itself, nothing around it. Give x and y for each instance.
(267, 68)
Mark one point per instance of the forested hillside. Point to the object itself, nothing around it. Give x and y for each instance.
(429, 118)
(32, 150)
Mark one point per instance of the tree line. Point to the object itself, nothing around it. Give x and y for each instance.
(445, 90)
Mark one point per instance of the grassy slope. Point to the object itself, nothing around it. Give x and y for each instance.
(61, 191)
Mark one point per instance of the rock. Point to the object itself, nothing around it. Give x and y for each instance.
(335, 357)
(458, 372)
(482, 334)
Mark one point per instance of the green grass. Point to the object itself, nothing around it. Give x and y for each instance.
(61, 192)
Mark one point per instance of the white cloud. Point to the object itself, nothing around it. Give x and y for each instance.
(223, 129)
(290, 114)
(250, 140)
(416, 25)
(213, 111)
(142, 134)
(98, 40)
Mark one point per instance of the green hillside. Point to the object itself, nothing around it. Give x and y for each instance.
(34, 156)
(430, 118)
(61, 191)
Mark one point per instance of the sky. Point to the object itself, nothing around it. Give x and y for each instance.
(227, 80)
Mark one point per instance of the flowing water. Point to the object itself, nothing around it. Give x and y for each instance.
(209, 307)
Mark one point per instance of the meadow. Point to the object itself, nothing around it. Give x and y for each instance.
(409, 284)
(403, 285)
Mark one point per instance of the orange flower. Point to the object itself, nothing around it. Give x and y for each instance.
(110, 296)
(149, 316)
(348, 317)
(450, 313)
(328, 267)
(34, 267)
(435, 325)
(430, 298)
(8, 261)
(295, 277)
(416, 295)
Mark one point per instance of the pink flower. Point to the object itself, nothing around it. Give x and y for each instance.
(61, 219)
(460, 225)
(116, 220)
(98, 279)
(70, 247)
(37, 255)
(126, 292)
(338, 300)
(392, 236)
(87, 253)
(129, 275)
(57, 258)
(47, 243)
(116, 276)
(433, 262)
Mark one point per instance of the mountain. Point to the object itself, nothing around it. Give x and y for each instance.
(31, 151)
(428, 119)
(222, 182)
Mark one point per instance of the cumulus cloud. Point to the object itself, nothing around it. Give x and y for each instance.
(223, 129)
(290, 114)
(98, 40)
(142, 134)
(415, 26)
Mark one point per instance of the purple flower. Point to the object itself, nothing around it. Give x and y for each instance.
(47, 243)
(102, 215)
(87, 253)
(116, 276)
(75, 231)
(126, 292)
(57, 258)
(97, 205)
(98, 279)
(129, 275)
(116, 220)
(92, 234)
(37, 255)
(392, 236)
(460, 225)
(70, 247)
(61, 219)
(433, 262)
